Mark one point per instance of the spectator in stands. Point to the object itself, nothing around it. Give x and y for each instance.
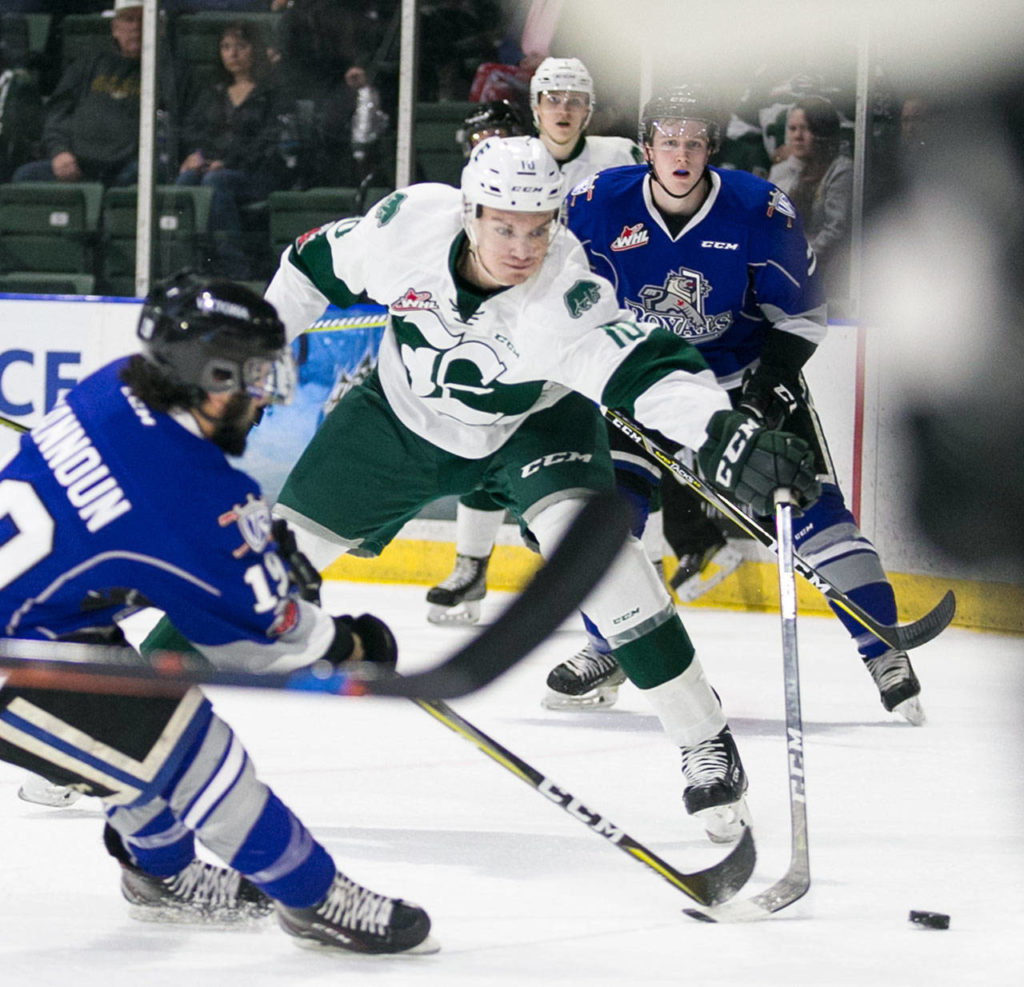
(326, 56)
(21, 106)
(234, 133)
(455, 37)
(817, 175)
(92, 117)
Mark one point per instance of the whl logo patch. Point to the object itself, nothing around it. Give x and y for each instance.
(581, 296)
(414, 301)
(630, 237)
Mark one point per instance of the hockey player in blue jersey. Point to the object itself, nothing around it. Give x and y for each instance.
(719, 258)
(122, 497)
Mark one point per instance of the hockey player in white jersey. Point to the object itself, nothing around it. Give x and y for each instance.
(499, 343)
(122, 497)
(562, 102)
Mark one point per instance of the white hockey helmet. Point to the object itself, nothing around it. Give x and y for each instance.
(558, 75)
(517, 174)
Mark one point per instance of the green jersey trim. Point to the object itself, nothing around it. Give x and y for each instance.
(311, 255)
(657, 356)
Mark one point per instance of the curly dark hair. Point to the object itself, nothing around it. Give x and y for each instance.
(154, 388)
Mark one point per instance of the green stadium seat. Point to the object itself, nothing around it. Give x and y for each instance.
(293, 213)
(437, 155)
(27, 283)
(83, 34)
(181, 217)
(49, 227)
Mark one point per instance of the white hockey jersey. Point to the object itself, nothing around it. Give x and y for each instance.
(594, 154)
(464, 370)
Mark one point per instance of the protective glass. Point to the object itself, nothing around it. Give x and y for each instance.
(272, 382)
(570, 100)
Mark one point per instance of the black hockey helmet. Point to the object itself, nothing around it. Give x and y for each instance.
(215, 336)
(496, 119)
(683, 102)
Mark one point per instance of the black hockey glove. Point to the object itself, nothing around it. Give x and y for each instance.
(742, 458)
(301, 571)
(769, 395)
(379, 645)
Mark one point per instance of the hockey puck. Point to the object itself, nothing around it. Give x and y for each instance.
(930, 920)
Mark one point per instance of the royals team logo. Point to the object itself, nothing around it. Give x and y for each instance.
(778, 201)
(414, 301)
(678, 306)
(253, 520)
(630, 237)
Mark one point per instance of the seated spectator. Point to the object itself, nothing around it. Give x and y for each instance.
(91, 131)
(334, 109)
(234, 133)
(817, 175)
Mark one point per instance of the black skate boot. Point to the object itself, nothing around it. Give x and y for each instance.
(698, 572)
(587, 680)
(200, 893)
(354, 918)
(897, 685)
(456, 599)
(715, 785)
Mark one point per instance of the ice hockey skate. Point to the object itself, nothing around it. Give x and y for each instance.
(587, 680)
(897, 685)
(39, 791)
(715, 785)
(456, 599)
(353, 918)
(698, 572)
(200, 893)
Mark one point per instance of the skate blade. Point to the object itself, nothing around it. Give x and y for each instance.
(224, 918)
(724, 562)
(428, 946)
(467, 612)
(724, 823)
(912, 711)
(54, 796)
(603, 697)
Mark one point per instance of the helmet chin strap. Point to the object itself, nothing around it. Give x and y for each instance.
(696, 184)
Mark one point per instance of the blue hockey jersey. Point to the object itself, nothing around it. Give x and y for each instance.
(108, 505)
(739, 267)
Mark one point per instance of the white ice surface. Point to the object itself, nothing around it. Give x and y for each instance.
(520, 893)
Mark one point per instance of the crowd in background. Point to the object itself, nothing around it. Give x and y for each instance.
(313, 104)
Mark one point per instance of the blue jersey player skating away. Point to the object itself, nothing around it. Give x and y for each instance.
(122, 497)
(719, 258)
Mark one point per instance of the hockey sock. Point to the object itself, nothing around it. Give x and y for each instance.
(281, 857)
(476, 531)
(160, 846)
(687, 707)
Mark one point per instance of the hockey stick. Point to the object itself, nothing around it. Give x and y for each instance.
(796, 881)
(904, 637)
(712, 886)
(560, 586)
(12, 424)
